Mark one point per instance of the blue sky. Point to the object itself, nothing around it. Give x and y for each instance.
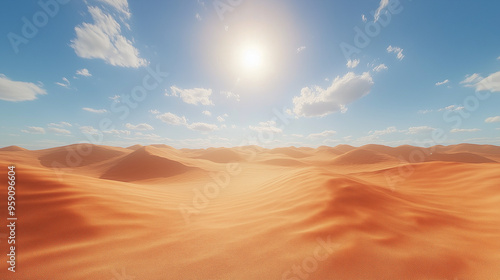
(202, 73)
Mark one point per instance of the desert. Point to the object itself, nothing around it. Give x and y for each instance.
(156, 212)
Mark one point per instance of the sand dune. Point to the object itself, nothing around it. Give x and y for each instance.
(145, 163)
(12, 149)
(154, 212)
(362, 156)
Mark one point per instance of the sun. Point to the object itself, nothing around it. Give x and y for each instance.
(252, 58)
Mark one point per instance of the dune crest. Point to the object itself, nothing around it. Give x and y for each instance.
(156, 212)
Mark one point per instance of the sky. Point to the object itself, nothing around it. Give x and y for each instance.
(224, 73)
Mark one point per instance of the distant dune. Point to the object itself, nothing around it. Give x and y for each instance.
(155, 212)
(12, 149)
(145, 163)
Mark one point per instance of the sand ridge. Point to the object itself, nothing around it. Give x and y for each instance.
(156, 212)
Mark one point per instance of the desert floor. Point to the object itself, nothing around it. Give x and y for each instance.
(154, 212)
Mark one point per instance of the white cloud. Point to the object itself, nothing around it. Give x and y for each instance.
(141, 126)
(456, 130)
(363, 18)
(269, 126)
(96, 111)
(324, 134)
(103, 40)
(317, 101)
(221, 118)
(493, 119)
(397, 50)
(89, 130)
(471, 80)
(207, 113)
(419, 130)
(115, 98)
(192, 96)
(154, 112)
(198, 17)
(300, 49)
(203, 127)
(447, 108)
(34, 130)
(491, 83)
(443, 82)
(18, 91)
(352, 63)
(66, 83)
(173, 119)
(61, 124)
(120, 5)
(451, 108)
(117, 132)
(229, 94)
(381, 6)
(380, 67)
(84, 72)
(389, 130)
(59, 130)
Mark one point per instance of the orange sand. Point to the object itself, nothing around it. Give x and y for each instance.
(155, 212)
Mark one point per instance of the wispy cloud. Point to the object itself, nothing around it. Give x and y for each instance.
(300, 49)
(66, 83)
(34, 130)
(420, 129)
(103, 39)
(83, 72)
(457, 130)
(89, 130)
(380, 67)
(321, 135)
(317, 101)
(60, 124)
(96, 111)
(490, 83)
(207, 113)
(471, 80)
(397, 50)
(120, 6)
(198, 17)
(352, 63)
(268, 126)
(193, 96)
(202, 127)
(447, 108)
(492, 119)
(18, 91)
(141, 126)
(443, 82)
(230, 94)
(58, 130)
(173, 119)
(222, 118)
(381, 6)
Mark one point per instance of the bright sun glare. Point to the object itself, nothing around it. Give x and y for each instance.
(252, 58)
